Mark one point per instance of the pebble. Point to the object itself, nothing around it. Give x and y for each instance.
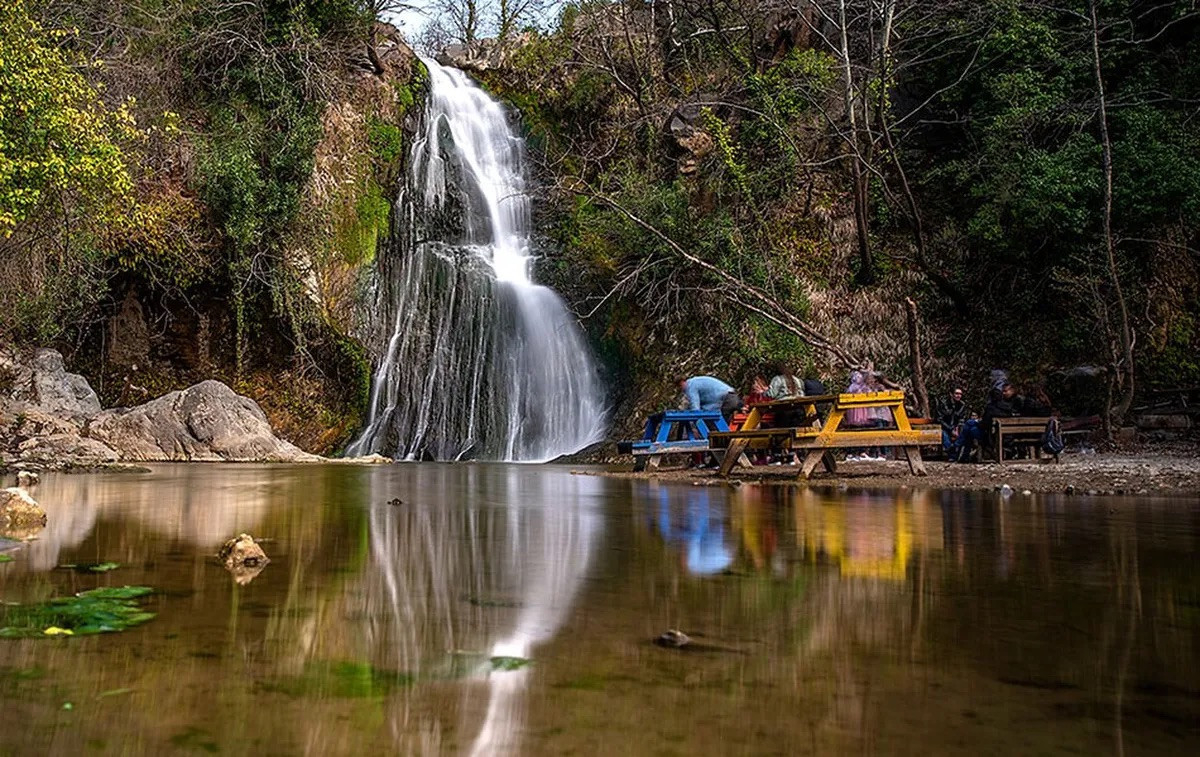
(1006, 491)
(1027, 493)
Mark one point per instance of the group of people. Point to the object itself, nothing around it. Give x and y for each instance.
(712, 394)
(709, 393)
(963, 429)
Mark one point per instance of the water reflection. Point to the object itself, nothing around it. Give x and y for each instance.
(689, 520)
(490, 576)
(824, 621)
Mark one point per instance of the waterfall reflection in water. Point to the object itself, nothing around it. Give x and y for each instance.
(515, 550)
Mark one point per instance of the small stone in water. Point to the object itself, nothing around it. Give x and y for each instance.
(673, 638)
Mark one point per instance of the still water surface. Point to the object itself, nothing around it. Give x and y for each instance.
(886, 622)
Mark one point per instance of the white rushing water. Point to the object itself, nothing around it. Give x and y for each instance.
(482, 362)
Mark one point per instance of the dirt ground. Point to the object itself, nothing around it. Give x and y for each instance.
(1159, 469)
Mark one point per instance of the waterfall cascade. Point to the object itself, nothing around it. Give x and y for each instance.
(482, 362)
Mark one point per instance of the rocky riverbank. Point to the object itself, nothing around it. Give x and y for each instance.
(1154, 469)
(52, 419)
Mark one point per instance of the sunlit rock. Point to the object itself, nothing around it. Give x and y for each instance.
(21, 517)
(207, 421)
(242, 550)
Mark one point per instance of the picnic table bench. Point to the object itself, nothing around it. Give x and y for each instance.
(820, 437)
(672, 432)
(1028, 431)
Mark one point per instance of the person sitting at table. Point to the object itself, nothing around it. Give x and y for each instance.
(861, 417)
(1004, 402)
(950, 413)
(708, 393)
(785, 385)
(759, 391)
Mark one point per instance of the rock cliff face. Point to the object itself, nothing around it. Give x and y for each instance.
(50, 418)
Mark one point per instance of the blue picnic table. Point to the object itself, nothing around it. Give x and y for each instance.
(672, 432)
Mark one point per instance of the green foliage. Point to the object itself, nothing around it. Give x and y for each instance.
(58, 142)
(386, 140)
(102, 610)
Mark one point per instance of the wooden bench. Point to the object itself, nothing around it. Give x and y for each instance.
(1029, 431)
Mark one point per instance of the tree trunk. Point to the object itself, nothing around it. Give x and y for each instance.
(866, 269)
(914, 351)
(1124, 370)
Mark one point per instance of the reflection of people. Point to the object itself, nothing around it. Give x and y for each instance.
(708, 393)
(701, 533)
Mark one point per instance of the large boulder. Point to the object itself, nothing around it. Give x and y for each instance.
(205, 422)
(40, 381)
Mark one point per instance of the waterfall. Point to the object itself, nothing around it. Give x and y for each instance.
(482, 362)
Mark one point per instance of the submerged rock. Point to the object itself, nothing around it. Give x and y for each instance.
(206, 422)
(673, 638)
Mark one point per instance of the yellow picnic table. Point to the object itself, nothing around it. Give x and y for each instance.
(820, 437)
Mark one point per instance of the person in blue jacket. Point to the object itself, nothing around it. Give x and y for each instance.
(708, 393)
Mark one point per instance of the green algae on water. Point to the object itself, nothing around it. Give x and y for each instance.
(91, 567)
(6, 558)
(104, 610)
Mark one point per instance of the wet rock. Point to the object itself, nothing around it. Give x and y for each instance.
(395, 502)
(673, 639)
(243, 558)
(207, 421)
(21, 517)
(372, 459)
(1006, 491)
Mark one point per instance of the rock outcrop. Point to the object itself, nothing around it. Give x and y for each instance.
(40, 382)
(43, 409)
(52, 419)
(205, 422)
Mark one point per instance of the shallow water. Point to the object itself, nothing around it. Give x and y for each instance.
(903, 622)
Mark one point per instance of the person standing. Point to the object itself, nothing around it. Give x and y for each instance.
(708, 393)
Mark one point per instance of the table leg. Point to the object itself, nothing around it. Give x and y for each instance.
(654, 461)
(639, 463)
(813, 457)
(732, 455)
(829, 462)
(916, 464)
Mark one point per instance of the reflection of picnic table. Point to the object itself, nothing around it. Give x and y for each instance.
(671, 432)
(819, 438)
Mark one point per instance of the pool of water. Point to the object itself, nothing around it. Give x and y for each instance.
(512, 609)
